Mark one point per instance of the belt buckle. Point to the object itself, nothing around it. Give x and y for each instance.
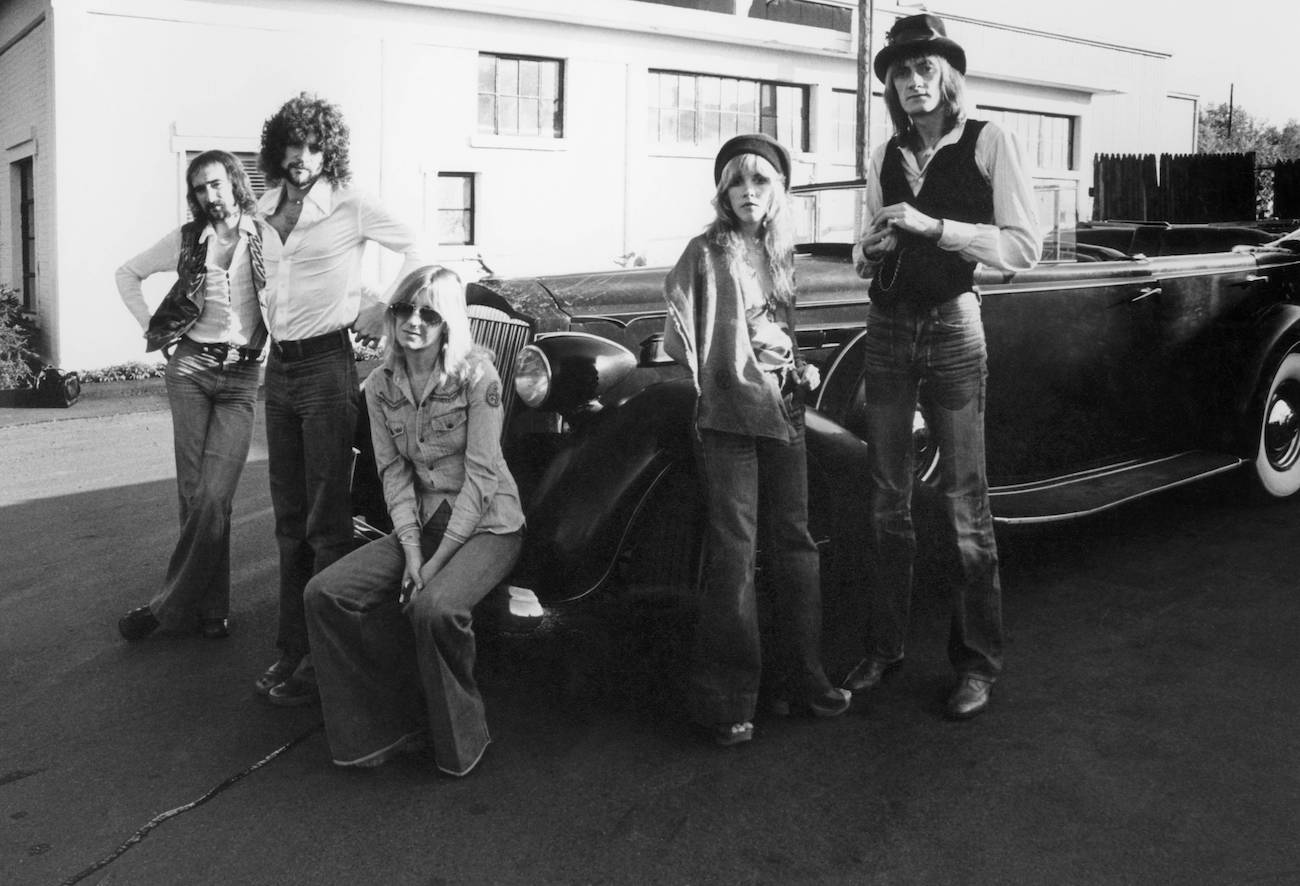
(215, 350)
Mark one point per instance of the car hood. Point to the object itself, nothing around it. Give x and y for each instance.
(626, 294)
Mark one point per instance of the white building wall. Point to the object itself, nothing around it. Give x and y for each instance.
(1178, 130)
(26, 104)
(166, 76)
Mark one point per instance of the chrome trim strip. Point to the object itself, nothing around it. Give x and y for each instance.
(1057, 518)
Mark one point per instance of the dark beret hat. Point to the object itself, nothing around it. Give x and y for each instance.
(754, 143)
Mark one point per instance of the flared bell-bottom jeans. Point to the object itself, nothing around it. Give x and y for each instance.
(388, 671)
(311, 420)
(757, 495)
(937, 354)
(212, 403)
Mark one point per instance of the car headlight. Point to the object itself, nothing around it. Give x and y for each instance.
(567, 372)
(532, 376)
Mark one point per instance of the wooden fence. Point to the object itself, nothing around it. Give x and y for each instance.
(1286, 189)
(1174, 187)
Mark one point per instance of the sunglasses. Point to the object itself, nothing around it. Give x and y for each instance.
(404, 311)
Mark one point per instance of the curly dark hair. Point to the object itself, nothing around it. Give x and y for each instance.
(306, 119)
(239, 183)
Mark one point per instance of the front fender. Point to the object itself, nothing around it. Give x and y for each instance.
(589, 496)
(1273, 334)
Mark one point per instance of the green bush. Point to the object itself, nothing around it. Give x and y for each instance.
(133, 371)
(16, 359)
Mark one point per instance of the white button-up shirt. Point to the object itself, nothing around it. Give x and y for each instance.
(318, 287)
(230, 306)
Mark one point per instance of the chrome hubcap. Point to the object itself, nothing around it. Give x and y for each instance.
(1282, 430)
(923, 449)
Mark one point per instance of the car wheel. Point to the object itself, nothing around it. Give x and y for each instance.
(842, 398)
(1277, 450)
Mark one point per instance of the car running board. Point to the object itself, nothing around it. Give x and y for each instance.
(1077, 495)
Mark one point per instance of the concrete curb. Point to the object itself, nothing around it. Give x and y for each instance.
(97, 400)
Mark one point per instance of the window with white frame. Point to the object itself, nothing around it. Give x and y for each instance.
(520, 95)
(844, 118)
(810, 13)
(455, 201)
(701, 110)
(1047, 139)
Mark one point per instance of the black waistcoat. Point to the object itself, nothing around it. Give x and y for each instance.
(919, 272)
(181, 307)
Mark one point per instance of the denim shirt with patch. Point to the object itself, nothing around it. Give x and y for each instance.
(443, 447)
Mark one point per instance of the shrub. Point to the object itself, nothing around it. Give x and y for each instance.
(132, 371)
(16, 359)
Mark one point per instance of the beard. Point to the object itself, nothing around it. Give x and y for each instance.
(302, 177)
(217, 211)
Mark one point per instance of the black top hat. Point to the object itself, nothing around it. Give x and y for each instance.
(918, 35)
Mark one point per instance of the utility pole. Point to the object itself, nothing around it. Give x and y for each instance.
(1230, 88)
(866, 15)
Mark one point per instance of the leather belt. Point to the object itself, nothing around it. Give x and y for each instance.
(219, 351)
(288, 351)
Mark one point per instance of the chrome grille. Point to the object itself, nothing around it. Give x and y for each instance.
(505, 336)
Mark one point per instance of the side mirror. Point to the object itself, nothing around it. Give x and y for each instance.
(652, 352)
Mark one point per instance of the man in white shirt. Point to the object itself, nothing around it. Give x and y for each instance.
(225, 259)
(312, 392)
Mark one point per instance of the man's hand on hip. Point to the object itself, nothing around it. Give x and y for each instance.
(369, 325)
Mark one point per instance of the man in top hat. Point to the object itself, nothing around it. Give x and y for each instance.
(943, 195)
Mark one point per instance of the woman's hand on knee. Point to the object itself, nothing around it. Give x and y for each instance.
(411, 580)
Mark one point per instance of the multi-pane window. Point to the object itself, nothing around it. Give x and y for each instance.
(727, 6)
(844, 123)
(1047, 139)
(518, 95)
(844, 115)
(703, 110)
(455, 198)
(804, 12)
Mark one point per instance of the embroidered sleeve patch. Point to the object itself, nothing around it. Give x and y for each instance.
(493, 396)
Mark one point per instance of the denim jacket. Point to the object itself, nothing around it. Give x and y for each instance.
(443, 447)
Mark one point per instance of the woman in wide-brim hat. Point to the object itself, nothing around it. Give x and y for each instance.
(943, 195)
(731, 323)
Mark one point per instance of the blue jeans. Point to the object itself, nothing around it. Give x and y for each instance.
(311, 420)
(939, 355)
(386, 671)
(756, 491)
(212, 406)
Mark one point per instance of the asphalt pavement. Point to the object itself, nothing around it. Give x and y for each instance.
(1144, 731)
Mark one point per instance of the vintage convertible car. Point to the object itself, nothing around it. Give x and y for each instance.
(1133, 359)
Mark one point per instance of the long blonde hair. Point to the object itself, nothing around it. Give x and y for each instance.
(446, 294)
(776, 231)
